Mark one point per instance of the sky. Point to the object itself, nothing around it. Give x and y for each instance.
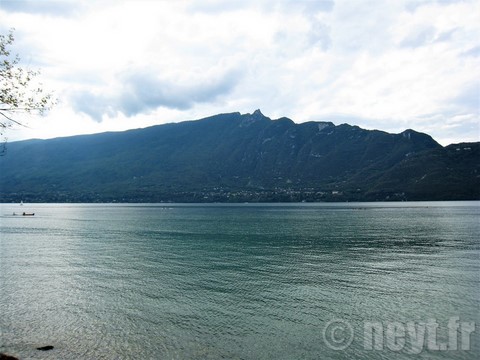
(115, 65)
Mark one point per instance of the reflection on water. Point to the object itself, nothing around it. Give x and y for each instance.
(231, 281)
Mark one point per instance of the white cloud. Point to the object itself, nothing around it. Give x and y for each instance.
(140, 91)
(390, 65)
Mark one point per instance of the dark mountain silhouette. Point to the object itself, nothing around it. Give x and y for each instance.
(235, 157)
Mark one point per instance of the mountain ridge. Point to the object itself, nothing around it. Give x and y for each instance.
(235, 157)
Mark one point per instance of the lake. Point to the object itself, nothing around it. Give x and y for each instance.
(241, 281)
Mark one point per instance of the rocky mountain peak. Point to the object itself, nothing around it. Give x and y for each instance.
(258, 113)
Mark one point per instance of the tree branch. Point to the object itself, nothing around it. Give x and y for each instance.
(10, 119)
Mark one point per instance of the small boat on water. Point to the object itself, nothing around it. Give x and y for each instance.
(25, 214)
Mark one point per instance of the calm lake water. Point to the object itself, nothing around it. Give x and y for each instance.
(245, 281)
